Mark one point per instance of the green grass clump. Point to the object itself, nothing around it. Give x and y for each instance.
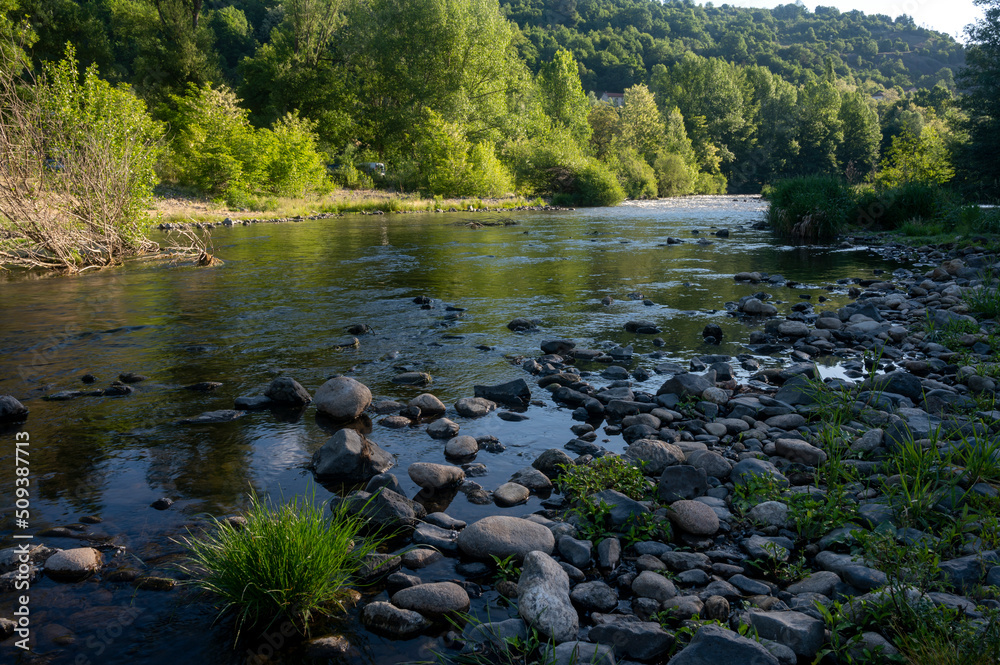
(809, 207)
(288, 561)
(604, 473)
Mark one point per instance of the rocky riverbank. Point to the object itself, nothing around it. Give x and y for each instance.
(753, 518)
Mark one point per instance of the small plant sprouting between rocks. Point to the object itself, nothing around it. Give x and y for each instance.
(287, 561)
(611, 472)
(506, 568)
(533, 649)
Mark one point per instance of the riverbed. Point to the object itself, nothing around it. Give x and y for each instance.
(280, 306)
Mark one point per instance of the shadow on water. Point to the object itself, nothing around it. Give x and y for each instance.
(281, 305)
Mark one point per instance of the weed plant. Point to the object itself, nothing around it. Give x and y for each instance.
(610, 472)
(288, 561)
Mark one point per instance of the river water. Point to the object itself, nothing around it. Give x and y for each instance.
(279, 306)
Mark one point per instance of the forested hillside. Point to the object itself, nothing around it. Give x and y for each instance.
(265, 98)
(618, 42)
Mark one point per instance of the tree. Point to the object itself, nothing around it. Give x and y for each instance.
(862, 134)
(981, 76)
(920, 158)
(562, 95)
(820, 128)
(641, 126)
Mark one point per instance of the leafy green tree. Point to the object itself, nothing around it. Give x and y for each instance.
(641, 126)
(605, 124)
(821, 131)
(981, 77)
(862, 133)
(562, 93)
(919, 159)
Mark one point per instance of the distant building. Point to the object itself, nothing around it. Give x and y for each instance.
(613, 98)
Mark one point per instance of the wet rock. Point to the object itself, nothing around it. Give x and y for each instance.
(74, 564)
(329, 647)
(685, 385)
(543, 598)
(343, 399)
(552, 461)
(643, 327)
(594, 596)
(513, 393)
(253, 403)
(693, 517)
(154, 583)
(560, 347)
(532, 478)
(419, 379)
(503, 536)
(754, 307)
(433, 600)
(11, 410)
(131, 377)
(386, 618)
(288, 392)
(395, 422)
(623, 508)
(461, 446)
(435, 476)
(511, 494)
(714, 644)
(581, 653)
(682, 482)
(575, 552)
(428, 405)
(348, 456)
(521, 325)
(212, 417)
(386, 480)
(474, 407)
(162, 503)
(385, 510)
(442, 428)
(638, 640)
(493, 634)
(204, 386)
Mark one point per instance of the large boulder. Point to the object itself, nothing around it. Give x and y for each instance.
(474, 407)
(656, 455)
(428, 404)
(512, 393)
(385, 510)
(800, 632)
(348, 456)
(433, 600)
(714, 644)
(11, 410)
(287, 391)
(435, 476)
(503, 536)
(342, 398)
(543, 598)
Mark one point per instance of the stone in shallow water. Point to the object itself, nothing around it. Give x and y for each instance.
(502, 536)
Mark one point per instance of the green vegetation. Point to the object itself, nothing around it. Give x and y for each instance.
(610, 472)
(286, 562)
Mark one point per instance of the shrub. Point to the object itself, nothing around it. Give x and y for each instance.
(635, 176)
(287, 561)
(553, 164)
(673, 175)
(449, 166)
(809, 207)
(77, 160)
(891, 208)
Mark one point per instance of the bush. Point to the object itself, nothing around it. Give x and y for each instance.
(673, 175)
(449, 166)
(286, 561)
(636, 177)
(809, 207)
(77, 160)
(890, 209)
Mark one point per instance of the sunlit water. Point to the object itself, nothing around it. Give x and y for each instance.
(278, 307)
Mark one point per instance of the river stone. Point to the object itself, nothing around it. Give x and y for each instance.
(428, 404)
(581, 653)
(435, 476)
(521, 324)
(649, 584)
(419, 379)
(685, 385)
(286, 390)
(474, 407)
(252, 403)
(642, 327)
(638, 640)
(343, 399)
(511, 494)
(575, 552)
(623, 508)
(494, 633)
(682, 482)
(442, 428)
(796, 450)
(754, 307)
(752, 466)
(594, 596)
(433, 600)
(551, 462)
(560, 347)
(11, 410)
(461, 446)
(712, 463)
(657, 455)
(388, 619)
(800, 632)
(503, 536)
(512, 393)
(543, 597)
(395, 422)
(900, 383)
(694, 517)
(793, 329)
(770, 513)
(384, 510)
(74, 564)
(212, 417)
(327, 648)
(349, 456)
(532, 478)
(713, 645)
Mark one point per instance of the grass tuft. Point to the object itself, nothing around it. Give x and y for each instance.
(289, 561)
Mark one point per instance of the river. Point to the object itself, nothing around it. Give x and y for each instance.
(278, 307)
